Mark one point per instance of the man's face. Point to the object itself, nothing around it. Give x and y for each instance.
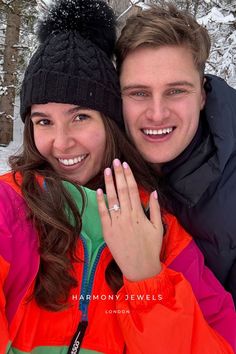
(162, 98)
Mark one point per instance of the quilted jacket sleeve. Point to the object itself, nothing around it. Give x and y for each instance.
(5, 255)
(4, 337)
(18, 249)
(161, 315)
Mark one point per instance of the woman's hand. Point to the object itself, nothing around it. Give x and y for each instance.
(134, 241)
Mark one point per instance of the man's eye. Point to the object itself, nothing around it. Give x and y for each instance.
(138, 95)
(176, 92)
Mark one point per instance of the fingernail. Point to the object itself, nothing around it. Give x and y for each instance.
(107, 171)
(125, 165)
(99, 191)
(155, 195)
(116, 162)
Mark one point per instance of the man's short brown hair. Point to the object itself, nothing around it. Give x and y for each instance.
(161, 26)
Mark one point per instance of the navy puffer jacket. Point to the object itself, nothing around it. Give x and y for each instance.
(202, 183)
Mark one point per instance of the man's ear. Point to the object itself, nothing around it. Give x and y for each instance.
(203, 94)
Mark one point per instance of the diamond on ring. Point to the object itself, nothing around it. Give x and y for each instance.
(115, 207)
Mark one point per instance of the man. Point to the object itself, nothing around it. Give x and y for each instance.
(184, 124)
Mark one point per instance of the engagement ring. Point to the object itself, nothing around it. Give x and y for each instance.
(115, 207)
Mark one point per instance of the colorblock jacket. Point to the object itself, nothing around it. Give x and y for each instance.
(181, 310)
(202, 183)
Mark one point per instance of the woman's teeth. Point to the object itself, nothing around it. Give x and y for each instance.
(71, 162)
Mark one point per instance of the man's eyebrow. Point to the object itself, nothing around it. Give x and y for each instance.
(171, 84)
(134, 86)
(180, 83)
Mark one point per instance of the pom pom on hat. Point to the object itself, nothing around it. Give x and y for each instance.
(93, 19)
(73, 62)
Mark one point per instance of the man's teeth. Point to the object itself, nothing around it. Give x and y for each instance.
(70, 162)
(157, 131)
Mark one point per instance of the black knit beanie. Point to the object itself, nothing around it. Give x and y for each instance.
(73, 63)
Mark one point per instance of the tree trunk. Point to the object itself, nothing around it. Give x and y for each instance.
(10, 72)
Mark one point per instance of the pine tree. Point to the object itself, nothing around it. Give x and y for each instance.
(12, 13)
(16, 15)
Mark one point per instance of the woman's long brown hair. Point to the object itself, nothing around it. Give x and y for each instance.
(118, 146)
(46, 208)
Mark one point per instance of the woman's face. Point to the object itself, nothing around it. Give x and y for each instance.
(71, 138)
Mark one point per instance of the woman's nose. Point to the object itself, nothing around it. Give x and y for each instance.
(63, 139)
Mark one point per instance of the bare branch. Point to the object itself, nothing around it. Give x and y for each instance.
(124, 12)
(42, 5)
(133, 3)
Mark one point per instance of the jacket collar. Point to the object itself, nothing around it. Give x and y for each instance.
(203, 161)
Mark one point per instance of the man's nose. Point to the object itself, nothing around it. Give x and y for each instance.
(157, 109)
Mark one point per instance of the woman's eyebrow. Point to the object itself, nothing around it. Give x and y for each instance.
(38, 114)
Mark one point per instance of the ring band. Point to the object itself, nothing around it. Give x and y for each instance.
(115, 207)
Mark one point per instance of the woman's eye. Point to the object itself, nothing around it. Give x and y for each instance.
(43, 122)
(81, 117)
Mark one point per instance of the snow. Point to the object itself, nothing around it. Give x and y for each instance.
(216, 16)
(15, 145)
(12, 148)
(222, 60)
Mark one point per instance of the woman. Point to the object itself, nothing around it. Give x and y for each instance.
(63, 290)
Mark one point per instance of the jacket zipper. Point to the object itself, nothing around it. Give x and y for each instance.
(86, 290)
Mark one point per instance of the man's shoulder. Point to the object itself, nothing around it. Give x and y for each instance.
(217, 87)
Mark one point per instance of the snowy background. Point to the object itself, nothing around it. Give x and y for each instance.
(218, 21)
(16, 144)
